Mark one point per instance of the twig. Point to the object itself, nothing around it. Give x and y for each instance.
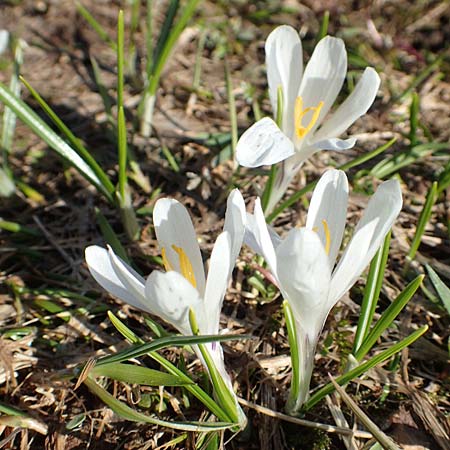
(306, 423)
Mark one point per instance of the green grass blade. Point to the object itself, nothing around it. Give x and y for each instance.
(110, 236)
(414, 119)
(371, 293)
(389, 166)
(132, 374)
(120, 58)
(102, 33)
(364, 367)
(420, 78)
(309, 187)
(149, 37)
(386, 442)
(164, 33)
(324, 26)
(142, 349)
(388, 317)
(169, 43)
(130, 414)
(194, 389)
(102, 89)
(232, 109)
(424, 217)
(87, 167)
(122, 152)
(444, 179)
(170, 158)
(367, 156)
(294, 350)
(442, 289)
(72, 139)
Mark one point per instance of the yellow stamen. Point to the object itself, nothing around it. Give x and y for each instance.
(326, 229)
(185, 266)
(166, 262)
(299, 113)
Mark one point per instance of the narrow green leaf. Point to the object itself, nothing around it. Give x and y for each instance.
(194, 389)
(386, 442)
(442, 289)
(120, 58)
(389, 166)
(371, 293)
(130, 373)
(165, 31)
(294, 350)
(149, 37)
(159, 64)
(388, 317)
(232, 109)
(142, 349)
(424, 217)
(102, 89)
(420, 78)
(15, 227)
(130, 414)
(413, 119)
(102, 33)
(110, 236)
(444, 179)
(122, 152)
(170, 158)
(77, 155)
(324, 25)
(225, 398)
(364, 367)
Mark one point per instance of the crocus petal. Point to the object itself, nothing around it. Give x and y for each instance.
(173, 226)
(324, 76)
(234, 224)
(304, 276)
(251, 237)
(263, 144)
(356, 104)
(334, 144)
(130, 279)
(284, 61)
(262, 237)
(223, 259)
(328, 211)
(220, 268)
(170, 296)
(377, 220)
(100, 267)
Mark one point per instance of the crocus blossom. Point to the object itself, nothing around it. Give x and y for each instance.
(307, 99)
(171, 295)
(304, 262)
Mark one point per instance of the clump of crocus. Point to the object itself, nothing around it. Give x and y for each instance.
(306, 98)
(304, 262)
(182, 295)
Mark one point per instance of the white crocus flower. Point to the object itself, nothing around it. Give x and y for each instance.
(304, 262)
(183, 288)
(307, 98)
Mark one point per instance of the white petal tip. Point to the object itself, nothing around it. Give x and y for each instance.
(263, 144)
